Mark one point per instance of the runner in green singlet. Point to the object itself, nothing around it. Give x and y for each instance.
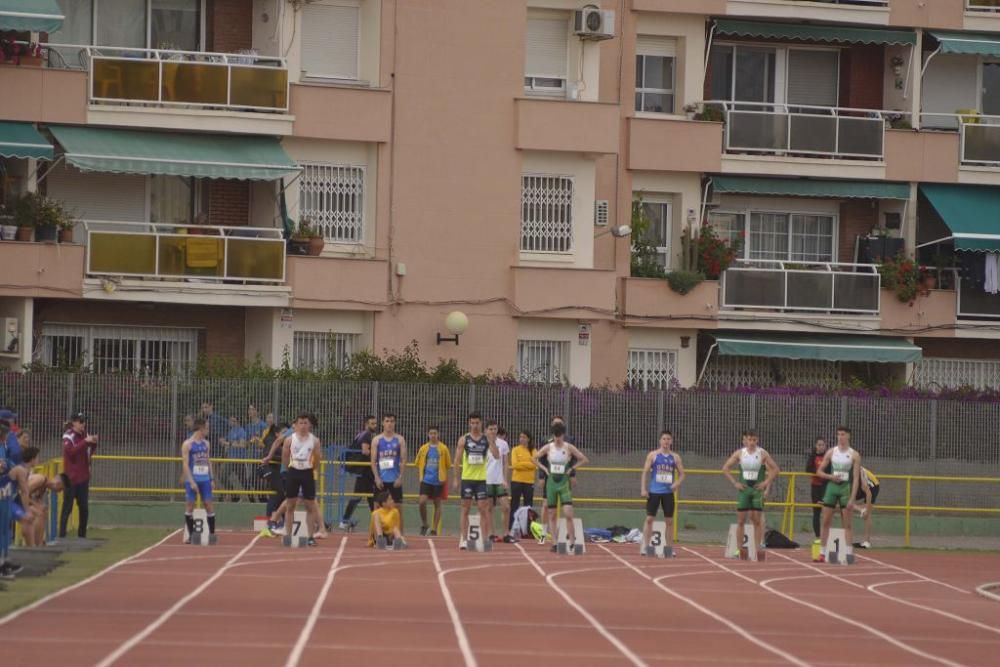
(562, 458)
(750, 486)
(842, 467)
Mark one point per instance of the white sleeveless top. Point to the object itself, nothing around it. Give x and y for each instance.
(302, 452)
(750, 465)
(558, 459)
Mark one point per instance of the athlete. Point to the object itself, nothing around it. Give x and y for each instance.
(364, 483)
(556, 419)
(662, 475)
(386, 525)
(299, 455)
(23, 510)
(843, 478)
(497, 486)
(388, 461)
(7, 569)
(197, 462)
(867, 495)
(470, 454)
(752, 490)
(562, 458)
(433, 462)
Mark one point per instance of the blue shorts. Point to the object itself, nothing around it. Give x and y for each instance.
(204, 490)
(17, 510)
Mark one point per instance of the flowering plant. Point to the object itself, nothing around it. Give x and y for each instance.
(715, 255)
(902, 275)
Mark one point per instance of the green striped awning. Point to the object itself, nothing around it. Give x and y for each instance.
(810, 32)
(241, 157)
(820, 347)
(971, 212)
(810, 187)
(967, 43)
(30, 15)
(22, 140)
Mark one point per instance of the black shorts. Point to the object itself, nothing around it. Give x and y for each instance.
(817, 493)
(395, 492)
(296, 480)
(364, 484)
(432, 491)
(474, 489)
(658, 500)
(861, 493)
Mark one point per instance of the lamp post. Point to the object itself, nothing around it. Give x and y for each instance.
(456, 322)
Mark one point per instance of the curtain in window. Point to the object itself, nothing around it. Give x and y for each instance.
(77, 28)
(121, 23)
(170, 199)
(174, 25)
(768, 236)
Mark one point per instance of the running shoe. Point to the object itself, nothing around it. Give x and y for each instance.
(423, 531)
(554, 549)
(432, 533)
(866, 545)
(15, 568)
(6, 573)
(463, 546)
(399, 545)
(347, 526)
(862, 511)
(541, 540)
(310, 542)
(187, 539)
(509, 539)
(265, 532)
(493, 538)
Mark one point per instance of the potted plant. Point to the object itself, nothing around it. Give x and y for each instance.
(690, 110)
(928, 280)
(8, 230)
(711, 114)
(310, 236)
(66, 229)
(902, 275)
(25, 216)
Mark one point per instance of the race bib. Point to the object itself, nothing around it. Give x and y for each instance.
(475, 459)
(750, 475)
(840, 476)
(665, 478)
(200, 470)
(557, 468)
(386, 464)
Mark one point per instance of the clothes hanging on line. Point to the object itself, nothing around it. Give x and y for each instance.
(991, 284)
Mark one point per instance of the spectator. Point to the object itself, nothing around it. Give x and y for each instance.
(188, 426)
(522, 480)
(13, 446)
(217, 425)
(235, 447)
(817, 484)
(78, 448)
(255, 425)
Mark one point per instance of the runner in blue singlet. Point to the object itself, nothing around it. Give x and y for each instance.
(662, 475)
(197, 462)
(388, 460)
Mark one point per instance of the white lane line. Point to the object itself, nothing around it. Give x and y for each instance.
(114, 566)
(916, 578)
(607, 634)
(843, 619)
(708, 612)
(915, 574)
(456, 621)
(177, 606)
(300, 645)
(983, 590)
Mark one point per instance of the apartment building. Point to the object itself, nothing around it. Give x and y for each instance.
(483, 156)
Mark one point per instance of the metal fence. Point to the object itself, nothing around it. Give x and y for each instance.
(615, 428)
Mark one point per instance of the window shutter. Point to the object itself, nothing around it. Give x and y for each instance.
(547, 45)
(654, 45)
(812, 77)
(98, 196)
(330, 36)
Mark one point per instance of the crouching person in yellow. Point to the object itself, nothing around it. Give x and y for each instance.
(383, 533)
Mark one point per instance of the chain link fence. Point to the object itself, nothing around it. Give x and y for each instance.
(614, 428)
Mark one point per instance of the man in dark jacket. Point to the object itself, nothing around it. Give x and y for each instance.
(818, 484)
(360, 452)
(78, 448)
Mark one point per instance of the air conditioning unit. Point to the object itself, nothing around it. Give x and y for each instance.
(593, 23)
(10, 338)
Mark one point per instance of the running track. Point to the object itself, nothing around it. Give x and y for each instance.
(251, 602)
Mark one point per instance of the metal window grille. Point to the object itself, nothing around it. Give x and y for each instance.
(652, 369)
(955, 373)
(322, 350)
(116, 349)
(332, 197)
(727, 372)
(542, 361)
(546, 213)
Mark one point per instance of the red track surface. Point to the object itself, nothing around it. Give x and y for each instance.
(250, 602)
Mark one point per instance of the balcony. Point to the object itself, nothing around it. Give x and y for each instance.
(41, 269)
(873, 12)
(980, 141)
(832, 288)
(43, 95)
(648, 299)
(803, 131)
(197, 254)
(973, 304)
(572, 126)
(338, 282)
(674, 144)
(982, 6)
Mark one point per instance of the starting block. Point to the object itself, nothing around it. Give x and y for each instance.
(300, 533)
(838, 551)
(260, 523)
(657, 546)
(474, 537)
(751, 545)
(579, 547)
(382, 544)
(201, 536)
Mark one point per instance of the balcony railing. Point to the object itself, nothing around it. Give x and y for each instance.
(980, 135)
(192, 252)
(800, 130)
(194, 79)
(789, 286)
(842, 3)
(989, 6)
(977, 304)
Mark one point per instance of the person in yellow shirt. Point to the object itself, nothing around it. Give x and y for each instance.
(384, 529)
(522, 479)
(433, 463)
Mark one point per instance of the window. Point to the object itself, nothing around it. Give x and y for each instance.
(809, 77)
(788, 237)
(120, 349)
(546, 62)
(542, 361)
(654, 74)
(323, 350)
(546, 214)
(171, 199)
(658, 234)
(331, 37)
(332, 197)
(652, 369)
(813, 77)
